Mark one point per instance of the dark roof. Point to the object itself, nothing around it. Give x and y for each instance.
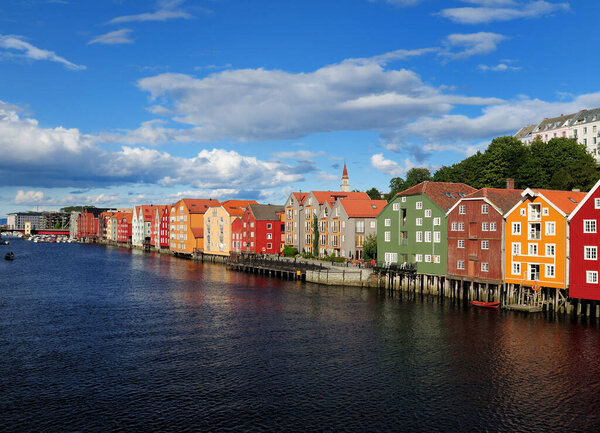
(586, 116)
(524, 131)
(504, 199)
(444, 194)
(265, 212)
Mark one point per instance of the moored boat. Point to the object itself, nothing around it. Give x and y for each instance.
(485, 304)
(9, 256)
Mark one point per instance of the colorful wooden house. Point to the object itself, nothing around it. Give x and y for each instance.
(412, 228)
(217, 225)
(261, 229)
(124, 227)
(537, 233)
(475, 226)
(237, 232)
(186, 225)
(584, 243)
(165, 224)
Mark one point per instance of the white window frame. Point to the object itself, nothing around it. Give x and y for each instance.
(418, 258)
(396, 206)
(460, 243)
(428, 236)
(589, 226)
(403, 199)
(462, 209)
(549, 271)
(531, 247)
(454, 226)
(437, 221)
(437, 237)
(550, 250)
(591, 277)
(419, 236)
(387, 236)
(548, 226)
(387, 222)
(493, 227)
(516, 268)
(461, 227)
(523, 212)
(485, 245)
(485, 267)
(485, 227)
(427, 258)
(597, 203)
(590, 252)
(419, 205)
(516, 228)
(516, 248)
(419, 222)
(485, 209)
(460, 265)
(427, 213)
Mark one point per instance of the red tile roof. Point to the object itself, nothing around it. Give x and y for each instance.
(504, 199)
(444, 194)
(333, 196)
(199, 205)
(300, 196)
(566, 201)
(363, 208)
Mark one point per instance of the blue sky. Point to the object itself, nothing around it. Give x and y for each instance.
(122, 102)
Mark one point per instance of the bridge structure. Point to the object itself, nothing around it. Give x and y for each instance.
(48, 232)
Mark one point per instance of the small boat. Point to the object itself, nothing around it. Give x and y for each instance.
(9, 256)
(485, 304)
(4, 242)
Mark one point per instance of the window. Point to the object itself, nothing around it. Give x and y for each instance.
(419, 236)
(269, 246)
(535, 212)
(396, 206)
(591, 277)
(437, 221)
(462, 209)
(427, 213)
(419, 205)
(493, 227)
(516, 248)
(523, 212)
(269, 226)
(269, 235)
(597, 203)
(516, 268)
(550, 250)
(550, 228)
(427, 258)
(437, 237)
(387, 222)
(533, 249)
(484, 209)
(360, 226)
(545, 211)
(372, 224)
(534, 272)
(591, 253)
(436, 259)
(589, 226)
(454, 227)
(516, 228)
(418, 258)
(460, 264)
(535, 231)
(427, 236)
(485, 267)
(550, 271)
(419, 221)
(403, 199)
(461, 243)
(485, 245)
(388, 236)
(461, 227)
(391, 258)
(485, 227)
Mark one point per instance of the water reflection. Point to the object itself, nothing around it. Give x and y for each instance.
(100, 339)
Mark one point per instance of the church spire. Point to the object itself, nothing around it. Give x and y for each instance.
(345, 186)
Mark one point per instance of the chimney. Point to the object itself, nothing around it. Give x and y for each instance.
(576, 190)
(510, 183)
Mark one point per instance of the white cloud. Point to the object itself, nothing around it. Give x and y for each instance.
(166, 10)
(29, 197)
(15, 46)
(460, 46)
(38, 198)
(500, 67)
(490, 11)
(113, 38)
(390, 167)
(259, 104)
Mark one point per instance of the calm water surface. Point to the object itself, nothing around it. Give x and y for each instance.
(107, 339)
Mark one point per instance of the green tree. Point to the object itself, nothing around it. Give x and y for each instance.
(374, 194)
(370, 247)
(415, 176)
(57, 225)
(315, 242)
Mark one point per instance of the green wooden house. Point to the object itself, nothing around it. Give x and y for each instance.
(412, 228)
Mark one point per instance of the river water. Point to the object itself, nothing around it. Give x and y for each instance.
(105, 339)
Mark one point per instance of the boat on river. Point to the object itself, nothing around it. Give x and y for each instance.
(482, 304)
(9, 256)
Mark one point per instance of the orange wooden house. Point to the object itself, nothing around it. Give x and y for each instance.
(537, 238)
(187, 225)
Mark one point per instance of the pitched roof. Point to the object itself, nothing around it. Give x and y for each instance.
(444, 194)
(148, 210)
(197, 232)
(333, 196)
(265, 212)
(236, 207)
(199, 205)
(566, 201)
(554, 122)
(345, 172)
(524, 131)
(363, 208)
(300, 196)
(504, 199)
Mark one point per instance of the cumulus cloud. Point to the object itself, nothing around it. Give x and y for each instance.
(14, 46)
(35, 156)
(487, 11)
(38, 198)
(389, 166)
(166, 10)
(460, 46)
(29, 197)
(113, 38)
(259, 104)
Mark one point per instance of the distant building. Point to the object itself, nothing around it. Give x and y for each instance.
(73, 224)
(17, 220)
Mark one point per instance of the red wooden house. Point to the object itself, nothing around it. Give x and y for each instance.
(261, 229)
(124, 227)
(165, 227)
(88, 223)
(476, 235)
(584, 243)
(237, 235)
